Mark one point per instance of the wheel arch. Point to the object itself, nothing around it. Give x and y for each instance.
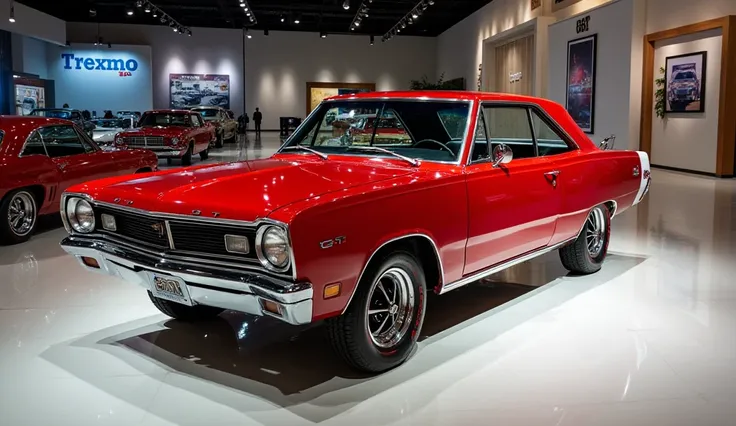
(38, 191)
(419, 244)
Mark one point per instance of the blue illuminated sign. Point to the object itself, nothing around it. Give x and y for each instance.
(99, 64)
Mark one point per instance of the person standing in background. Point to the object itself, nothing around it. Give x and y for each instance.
(257, 117)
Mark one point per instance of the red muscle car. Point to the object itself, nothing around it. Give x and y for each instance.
(170, 133)
(41, 157)
(358, 234)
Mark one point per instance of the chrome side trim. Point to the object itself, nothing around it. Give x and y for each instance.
(403, 237)
(500, 267)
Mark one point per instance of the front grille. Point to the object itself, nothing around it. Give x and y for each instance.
(190, 237)
(136, 226)
(208, 238)
(144, 141)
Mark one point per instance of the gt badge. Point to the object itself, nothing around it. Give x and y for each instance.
(332, 243)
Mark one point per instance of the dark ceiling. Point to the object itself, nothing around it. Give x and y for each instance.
(314, 15)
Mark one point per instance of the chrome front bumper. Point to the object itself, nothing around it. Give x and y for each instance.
(243, 291)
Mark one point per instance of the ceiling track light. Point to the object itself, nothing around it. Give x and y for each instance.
(165, 19)
(360, 13)
(250, 14)
(373, 40)
(346, 4)
(409, 18)
(11, 16)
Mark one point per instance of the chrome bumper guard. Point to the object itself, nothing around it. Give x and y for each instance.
(243, 291)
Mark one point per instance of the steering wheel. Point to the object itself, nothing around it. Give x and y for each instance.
(432, 141)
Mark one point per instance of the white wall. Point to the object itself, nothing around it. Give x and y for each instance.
(278, 67)
(31, 22)
(207, 51)
(667, 14)
(35, 54)
(96, 89)
(690, 141)
(614, 25)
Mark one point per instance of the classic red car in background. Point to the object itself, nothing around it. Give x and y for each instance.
(170, 133)
(358, 234)
(41, 157)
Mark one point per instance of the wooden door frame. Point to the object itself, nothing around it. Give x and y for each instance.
(311, 84)
(727, 97)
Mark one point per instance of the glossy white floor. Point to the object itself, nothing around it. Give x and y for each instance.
(647, 341)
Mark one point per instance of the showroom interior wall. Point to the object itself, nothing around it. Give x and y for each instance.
(30, 22)
(30, 55)
(83, 86)
(667, 14)
(672, 138)
(207, 51)
(279, 65)
(619, 27)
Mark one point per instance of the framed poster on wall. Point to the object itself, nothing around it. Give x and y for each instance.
(190, 90)
(581, 63)
(317, 92)
(685, 83)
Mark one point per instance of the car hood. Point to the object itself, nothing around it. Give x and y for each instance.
(248, 190)
(170, 131)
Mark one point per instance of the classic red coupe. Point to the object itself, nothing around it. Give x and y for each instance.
(41, 157)
(170, 133)
(358, 234)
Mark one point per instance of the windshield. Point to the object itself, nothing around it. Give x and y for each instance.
(52, 113)
(206, 113)
(689, 75)
(164, 119)
(117, 123)
(425, 130)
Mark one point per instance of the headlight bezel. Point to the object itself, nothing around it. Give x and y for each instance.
(263, 257)
(71, 208)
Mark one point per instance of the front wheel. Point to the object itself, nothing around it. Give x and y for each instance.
(587, 253)
(381, 326)
(219, 143)
(186, 160)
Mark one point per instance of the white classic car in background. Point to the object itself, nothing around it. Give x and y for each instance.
(106, 129)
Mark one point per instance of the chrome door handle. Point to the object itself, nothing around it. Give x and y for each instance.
(552, 177)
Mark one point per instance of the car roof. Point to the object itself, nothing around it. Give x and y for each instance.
(206, 107)
(33, 121)
(170, 111)
(438, 94)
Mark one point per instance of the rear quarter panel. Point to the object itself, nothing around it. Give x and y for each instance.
(428, 202)
(591, 178)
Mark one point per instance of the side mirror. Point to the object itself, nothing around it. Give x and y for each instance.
(607, 143)
(502, 154)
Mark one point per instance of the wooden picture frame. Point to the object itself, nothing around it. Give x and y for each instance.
(367, 87)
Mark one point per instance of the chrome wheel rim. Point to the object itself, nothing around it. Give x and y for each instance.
(390, 307)
(21, 213)
(595, 232)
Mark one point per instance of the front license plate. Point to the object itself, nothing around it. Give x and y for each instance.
(170, 288)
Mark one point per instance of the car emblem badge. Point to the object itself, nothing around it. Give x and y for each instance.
(196, 212)
(636, 171)
(159, 228)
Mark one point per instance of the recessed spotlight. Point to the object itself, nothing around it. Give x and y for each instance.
(414, 15)
(346, 4)
(129, 12)
(323, 35)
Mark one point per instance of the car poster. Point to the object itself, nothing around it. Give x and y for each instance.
(685, 83)
(28, 98)
(581, 61)
(191, 90)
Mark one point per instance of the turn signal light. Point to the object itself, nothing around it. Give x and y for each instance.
(91, 262)
(331, 290)
(271, 307)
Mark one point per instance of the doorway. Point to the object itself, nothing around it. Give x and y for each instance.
(514, 66)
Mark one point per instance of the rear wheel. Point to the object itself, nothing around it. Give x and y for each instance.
(219, 141)
(381, 326)
(587, 253)
(186, 160)
(18, 212)
(204, 154)
(184, 312)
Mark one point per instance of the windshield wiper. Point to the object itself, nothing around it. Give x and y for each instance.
(411, 161)
(304, 148)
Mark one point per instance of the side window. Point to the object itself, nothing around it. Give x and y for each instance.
(480, 143)
(510, 126)
(549, 142)
(61, 141)
(89, 146)
(34, 145)
(195, 121)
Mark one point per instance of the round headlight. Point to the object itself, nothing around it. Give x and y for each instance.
(273, 249)
(118, 140)
(80, 214)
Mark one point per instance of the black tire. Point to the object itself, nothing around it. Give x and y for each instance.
(15, 235)
(233, 138)
(184, 312)
(204, 154)
(219, 143)
(577, 257)
(351, 335)
(186, 159)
